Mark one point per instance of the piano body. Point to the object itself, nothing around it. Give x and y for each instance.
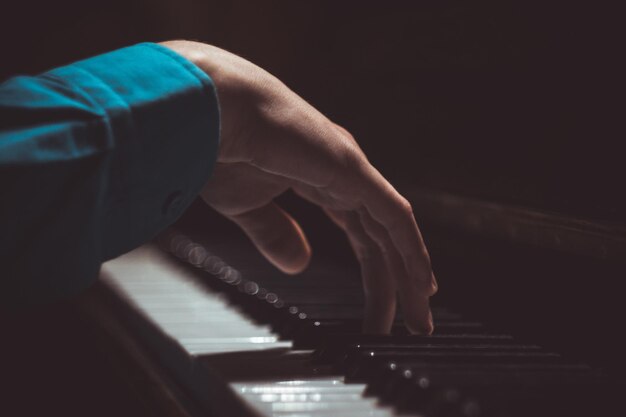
(494, 120)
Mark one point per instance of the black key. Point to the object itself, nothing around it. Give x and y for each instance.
(403, 351)
(336, 347)
(365, 364)
(396, 381)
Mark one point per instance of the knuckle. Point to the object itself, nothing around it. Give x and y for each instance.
(352, 160)
(406, 207)
(404, 215)
(432, 290)
(427, 287)
(434, 286)
(345, 132)
(347, 169)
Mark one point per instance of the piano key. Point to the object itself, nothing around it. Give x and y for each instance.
(395, 386)
(314, 397)
(214, 326)
(367, 364)
(221, 310)
(330, 349)
(311, 332)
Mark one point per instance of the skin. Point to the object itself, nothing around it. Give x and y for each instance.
(271, 141)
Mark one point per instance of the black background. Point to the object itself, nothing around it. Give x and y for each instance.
(514, 103)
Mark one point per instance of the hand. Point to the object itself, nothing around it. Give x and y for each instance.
(272, 140)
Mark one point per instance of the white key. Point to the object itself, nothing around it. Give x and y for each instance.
(203, 322)
(328, 396)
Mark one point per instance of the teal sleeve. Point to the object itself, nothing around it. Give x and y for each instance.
(96, 158)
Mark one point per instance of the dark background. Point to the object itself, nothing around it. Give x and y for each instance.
(517, 104)
(514, 103)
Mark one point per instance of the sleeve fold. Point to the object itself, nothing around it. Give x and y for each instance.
(96, 158)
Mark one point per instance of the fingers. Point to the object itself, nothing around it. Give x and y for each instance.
(379, 287)
(382, 267)
(413, 300)
(385, 205)
(277, 236)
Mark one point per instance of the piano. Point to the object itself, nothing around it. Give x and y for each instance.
(229, 335)
(494, 119)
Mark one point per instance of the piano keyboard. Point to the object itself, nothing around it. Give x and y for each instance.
(246, 341)
(202, 323)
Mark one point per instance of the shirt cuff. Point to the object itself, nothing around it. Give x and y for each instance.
(163, 116)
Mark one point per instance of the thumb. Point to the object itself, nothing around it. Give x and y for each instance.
(277, 236)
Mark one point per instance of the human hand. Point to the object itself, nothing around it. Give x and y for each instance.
(271, 141)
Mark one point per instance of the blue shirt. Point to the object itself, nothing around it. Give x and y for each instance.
(95, 158)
